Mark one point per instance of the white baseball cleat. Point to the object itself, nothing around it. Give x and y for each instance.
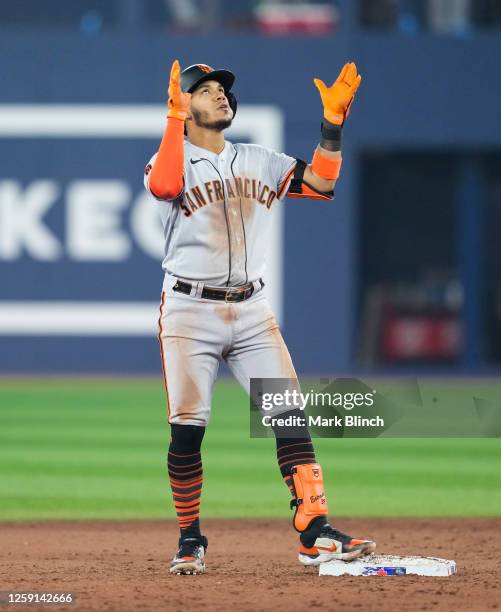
(189, 559)
(333, 544)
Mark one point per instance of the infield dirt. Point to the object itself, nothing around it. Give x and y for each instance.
(251, 565)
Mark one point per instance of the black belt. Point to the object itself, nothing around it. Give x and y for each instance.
(232, 294)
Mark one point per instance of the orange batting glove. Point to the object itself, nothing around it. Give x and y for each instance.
(338, 98)
(179, 102)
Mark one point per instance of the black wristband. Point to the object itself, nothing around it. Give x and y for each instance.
(330, 136)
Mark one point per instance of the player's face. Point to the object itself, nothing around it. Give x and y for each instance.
(210, 107)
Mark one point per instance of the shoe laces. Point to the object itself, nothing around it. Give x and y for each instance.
(335, 534)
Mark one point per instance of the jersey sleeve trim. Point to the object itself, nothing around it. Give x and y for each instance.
(285, 181)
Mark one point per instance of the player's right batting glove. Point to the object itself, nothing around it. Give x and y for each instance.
(179, 102)
(338, 98)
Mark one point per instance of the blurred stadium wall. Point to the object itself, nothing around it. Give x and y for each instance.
(401, 273)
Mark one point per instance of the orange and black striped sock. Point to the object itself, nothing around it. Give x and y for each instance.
(184, 464)
(291, 452)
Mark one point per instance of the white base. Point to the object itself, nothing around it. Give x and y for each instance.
(389, 565)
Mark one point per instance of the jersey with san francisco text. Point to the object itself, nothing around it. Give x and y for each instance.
(217, 229)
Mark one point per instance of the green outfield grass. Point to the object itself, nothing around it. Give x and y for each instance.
(87, 448)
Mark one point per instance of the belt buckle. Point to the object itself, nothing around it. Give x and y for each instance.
(232, 292)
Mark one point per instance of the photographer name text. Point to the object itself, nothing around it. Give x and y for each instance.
(348, 420)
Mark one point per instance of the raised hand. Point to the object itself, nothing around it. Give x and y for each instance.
(179, 101)
(338, 98)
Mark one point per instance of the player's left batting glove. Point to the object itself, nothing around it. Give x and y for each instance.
(338, 98)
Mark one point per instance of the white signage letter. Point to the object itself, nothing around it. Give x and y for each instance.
(21, 224)
(93, 222)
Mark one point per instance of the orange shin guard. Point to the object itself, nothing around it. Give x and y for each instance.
(310, 494)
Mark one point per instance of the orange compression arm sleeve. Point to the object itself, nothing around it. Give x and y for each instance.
(166, 176)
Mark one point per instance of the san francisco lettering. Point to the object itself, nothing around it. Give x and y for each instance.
(213, 192)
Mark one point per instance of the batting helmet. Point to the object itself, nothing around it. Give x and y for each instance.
(196, 74)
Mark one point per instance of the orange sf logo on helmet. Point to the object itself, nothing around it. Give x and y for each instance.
(205, 68)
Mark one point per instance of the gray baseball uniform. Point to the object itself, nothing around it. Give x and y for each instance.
(216, 235)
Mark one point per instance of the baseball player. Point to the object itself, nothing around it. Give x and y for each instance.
(216, 200)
